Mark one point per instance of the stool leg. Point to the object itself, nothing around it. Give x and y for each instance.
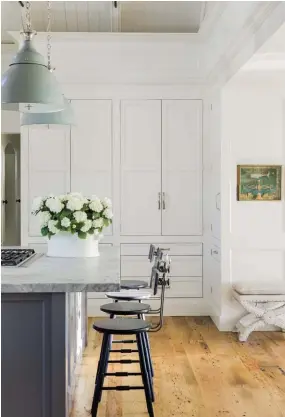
(100, 362)
(100, 378)
(149, 361)
(148, 365)
(145, 378)
(106, 358)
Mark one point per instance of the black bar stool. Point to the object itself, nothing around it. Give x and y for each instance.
(109, 327)
(131, 309)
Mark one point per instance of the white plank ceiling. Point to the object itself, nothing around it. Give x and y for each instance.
(102, 16)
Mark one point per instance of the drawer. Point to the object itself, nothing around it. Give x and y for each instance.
(175, 248)
(181, 266)
(180, 287)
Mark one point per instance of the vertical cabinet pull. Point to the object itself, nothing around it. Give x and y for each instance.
(159, 201)
(163, 201)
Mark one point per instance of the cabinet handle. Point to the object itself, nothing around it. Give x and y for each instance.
(5, 201)
(18, 201)
(163, 201)
(217, 206)
(214, 251)
(159, 201)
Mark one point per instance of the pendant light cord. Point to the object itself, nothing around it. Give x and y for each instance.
(28, 17)
(49, 34)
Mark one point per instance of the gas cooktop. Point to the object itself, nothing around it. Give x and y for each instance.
(15, 257)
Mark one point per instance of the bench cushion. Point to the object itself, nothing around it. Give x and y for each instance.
(260, 287)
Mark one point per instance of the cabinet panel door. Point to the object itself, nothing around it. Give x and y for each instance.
(182, 167)
(49, 166)
(140, 167)
(91, 149)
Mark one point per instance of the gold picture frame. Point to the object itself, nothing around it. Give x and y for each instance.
(259, 182)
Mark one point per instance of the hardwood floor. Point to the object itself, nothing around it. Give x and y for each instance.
(199, 372)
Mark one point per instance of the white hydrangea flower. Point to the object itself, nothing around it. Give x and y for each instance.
(87, 226)
(74, 204)
(98, 223)
(80, 216)
(108, 213)
(51, 226)
(107, 203)
(62, 197)
(75, 195)
(37, 203)
(44, 217)
(54, 204)
(96, 233)
(96, 205)
(65, 222)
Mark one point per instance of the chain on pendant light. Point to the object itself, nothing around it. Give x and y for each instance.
(62, 117)
(28, 85)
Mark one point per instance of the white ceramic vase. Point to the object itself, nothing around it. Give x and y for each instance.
(66, 245)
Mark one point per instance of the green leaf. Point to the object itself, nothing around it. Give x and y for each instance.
(106, 222)
(91, 231)
(44, 231)
(82, 235)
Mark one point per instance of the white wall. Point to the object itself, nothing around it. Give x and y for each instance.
(253, 132)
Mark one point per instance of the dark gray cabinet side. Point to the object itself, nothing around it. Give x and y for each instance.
(33, 355)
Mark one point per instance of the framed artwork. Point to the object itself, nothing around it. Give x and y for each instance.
(259, 182)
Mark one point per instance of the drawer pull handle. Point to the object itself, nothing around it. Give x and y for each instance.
(215, 252)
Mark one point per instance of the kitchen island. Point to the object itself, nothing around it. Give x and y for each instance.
(44, 321)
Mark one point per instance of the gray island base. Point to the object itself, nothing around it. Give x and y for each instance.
(44, 328)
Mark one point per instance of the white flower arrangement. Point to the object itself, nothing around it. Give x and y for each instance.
(73, 213)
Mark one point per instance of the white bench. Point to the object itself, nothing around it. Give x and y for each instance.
(265, 304)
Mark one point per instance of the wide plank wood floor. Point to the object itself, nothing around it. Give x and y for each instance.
(199, 372)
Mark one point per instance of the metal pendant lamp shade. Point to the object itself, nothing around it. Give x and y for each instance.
(28, 85)
(63, 117)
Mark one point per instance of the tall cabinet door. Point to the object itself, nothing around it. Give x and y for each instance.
(91, 149)
(48, 166)
(140, 167)
(182, 167)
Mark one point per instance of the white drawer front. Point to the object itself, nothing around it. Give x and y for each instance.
(175, 248)
(180, 287)
(181, 266)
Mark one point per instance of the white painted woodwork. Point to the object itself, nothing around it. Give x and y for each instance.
(48, 165)
(140, 167)
(174, 248)
(180, 287)
(91, 149)
(182, 167)
(181, 266)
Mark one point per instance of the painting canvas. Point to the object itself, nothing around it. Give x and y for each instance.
(259, 182)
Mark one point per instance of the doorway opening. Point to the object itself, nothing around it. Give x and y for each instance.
(10, 190)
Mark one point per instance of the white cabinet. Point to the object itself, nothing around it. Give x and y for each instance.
(161, 168)
(91, 148)
(48, 166)
(140, 167)
(181, 167)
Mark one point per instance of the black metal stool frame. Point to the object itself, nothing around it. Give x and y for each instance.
(103, 366)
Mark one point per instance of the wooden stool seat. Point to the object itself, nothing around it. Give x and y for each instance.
(134, 284)
(121, 326)
(125, 309)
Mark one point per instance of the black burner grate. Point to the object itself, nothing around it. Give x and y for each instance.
(13, 257)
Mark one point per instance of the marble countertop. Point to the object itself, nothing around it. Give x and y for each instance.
(45, 274)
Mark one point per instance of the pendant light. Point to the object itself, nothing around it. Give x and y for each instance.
(28, 85)
(63, 117)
